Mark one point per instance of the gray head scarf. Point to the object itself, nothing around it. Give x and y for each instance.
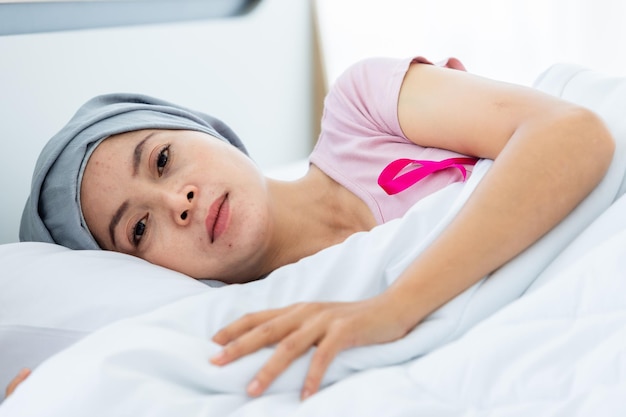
(52, 213)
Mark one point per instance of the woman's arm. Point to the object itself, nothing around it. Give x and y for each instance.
(548, 155)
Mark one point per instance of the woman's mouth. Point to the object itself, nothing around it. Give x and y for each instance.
(217, 219)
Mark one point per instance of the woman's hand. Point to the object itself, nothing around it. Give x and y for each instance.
(19, 378)
(332, 327)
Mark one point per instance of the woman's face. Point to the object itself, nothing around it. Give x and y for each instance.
(180, 199)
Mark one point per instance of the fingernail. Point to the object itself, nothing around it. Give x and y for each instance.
(254, 388)
(306, 394)
(219, 358)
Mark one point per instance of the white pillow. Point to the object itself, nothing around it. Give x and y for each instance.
(289, 171)
(51, 296)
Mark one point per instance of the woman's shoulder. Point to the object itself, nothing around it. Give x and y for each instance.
(370, 71)
(364, 97)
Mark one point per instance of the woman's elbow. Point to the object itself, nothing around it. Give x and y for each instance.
(595, 144)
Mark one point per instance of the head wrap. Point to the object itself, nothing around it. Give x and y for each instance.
(52, 213)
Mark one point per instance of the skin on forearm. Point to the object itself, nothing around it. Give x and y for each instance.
(547, 167)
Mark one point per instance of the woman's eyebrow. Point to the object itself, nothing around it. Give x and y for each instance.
(116, 219)
(137, 154)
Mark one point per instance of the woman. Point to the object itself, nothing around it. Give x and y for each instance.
(164, 183)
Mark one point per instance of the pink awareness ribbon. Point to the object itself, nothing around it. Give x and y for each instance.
(393, 183)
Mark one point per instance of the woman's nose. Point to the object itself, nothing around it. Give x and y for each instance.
(183, 204)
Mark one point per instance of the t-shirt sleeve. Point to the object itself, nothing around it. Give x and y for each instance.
(364, 99)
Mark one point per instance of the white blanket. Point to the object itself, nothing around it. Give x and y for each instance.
(558, 350)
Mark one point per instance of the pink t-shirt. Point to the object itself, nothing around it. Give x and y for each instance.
(360, 135)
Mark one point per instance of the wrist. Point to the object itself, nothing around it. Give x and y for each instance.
(405, 309)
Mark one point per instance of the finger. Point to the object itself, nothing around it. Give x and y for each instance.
(19, 378)
(265, 334)
(288, 350)
(243, 325)
(327, 350)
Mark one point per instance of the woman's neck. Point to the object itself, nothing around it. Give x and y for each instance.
(311, 214)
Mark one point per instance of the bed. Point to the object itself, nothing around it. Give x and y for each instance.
(545, 335)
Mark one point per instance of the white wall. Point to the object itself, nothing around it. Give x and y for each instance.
(511, 40)
(254, 72)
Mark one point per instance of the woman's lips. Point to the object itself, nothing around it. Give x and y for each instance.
(217, 220)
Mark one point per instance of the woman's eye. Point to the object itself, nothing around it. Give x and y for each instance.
(162, 158)
(138, 231)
